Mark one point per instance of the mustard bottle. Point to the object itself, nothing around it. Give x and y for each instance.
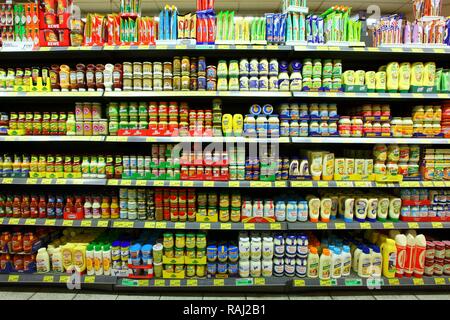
(67, 260)
(348, 77)
(417, 74)
(404, 77)
(79, 257)
(392, 72)
(380, 81)
(238, 125)
(360, 77)
(227, 125)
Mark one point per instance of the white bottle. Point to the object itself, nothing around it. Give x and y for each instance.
(90, 260)
(325, 209)
(106, 256)
(349, 207)
(50, 250)
(325, 265)
(255, 249)
(244, 248)
(365, 263)
(334, 207)
(336, 263)
(302, 211)
(57, 265)
(313, 263)
(291, 211)
(314, 209)
(98, 260)
(244, 268)
(361, 209)
(376, 261)
(42, 261)
(267, 248)
(395, 205)
(346, 261)
(372, 209)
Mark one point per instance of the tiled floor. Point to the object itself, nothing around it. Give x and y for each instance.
(12, 293)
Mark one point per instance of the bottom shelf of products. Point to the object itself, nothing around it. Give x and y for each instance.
(231, 284)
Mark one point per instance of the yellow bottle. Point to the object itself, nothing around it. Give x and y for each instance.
(66, 251)
(404, 77)
(328, 166)
(392, 72)
(389, 256)
(429, 73)
(238, 125)
(227, 125)
(348, 77)
(360, 77)
(417, 74)
(380, 81)
(79, 257)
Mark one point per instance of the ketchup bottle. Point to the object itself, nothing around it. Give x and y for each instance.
(59, 208)
(34, 207)
(25, 207)
(16, 207)
(51, 207)
(79, 210)
(42, 208)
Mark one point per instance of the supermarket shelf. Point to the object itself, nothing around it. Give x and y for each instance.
(33, 181)
(53, 94)
(208, 94)
(371, 95)
(388, 225)
(52, 138)
(145, 224)
(369, 184)
(346, 140)
(216, 283)
(197, 225)
(227, 184)
(370, 283)
(54, 278)
(390, 50)
(198, 184)
(196, 139)
(87, 223)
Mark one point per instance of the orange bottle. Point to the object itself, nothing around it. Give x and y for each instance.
(115, 210)
(16, 213)
(79, 210)
(34, 207)
(25, 207)
(17, 242)
(105, 208)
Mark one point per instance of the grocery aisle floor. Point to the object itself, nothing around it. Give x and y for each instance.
(12, 293)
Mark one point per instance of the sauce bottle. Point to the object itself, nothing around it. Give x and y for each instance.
(79, 210)
(42, 208)
(51, 207)
(16, 213)
(59, 207)
(9, 206)
(115, 210)
(17, 242)
(34, 207)
(28, 241)
(68, 209)
(96, 210)
(105, 208)
(25, 207)
(2, 206)
(87, 208)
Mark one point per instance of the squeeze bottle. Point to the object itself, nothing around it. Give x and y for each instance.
(90, 260)
(349, 207)
(336, 264)
(364, 263)
(325, 264)
(346, 261)
(419, 258)
(376, 261)
(42, 261)
(400, 243)
(57, 265)
(356, 255)
(313, 263)
(325, 209)
(409, 260)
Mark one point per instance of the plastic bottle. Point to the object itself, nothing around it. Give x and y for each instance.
(361, 209)
(389, 258)
(57, 264)
(96, 210)
(325, 265)
(410, 255)
(90, 260)
(87, 208)
(395, 205)
(419, 258)
(364, 263)
(376, 261)
(325, 209)
(106, 256)
(349, 207)
(356, 255)
(336, 263)
(42, 261)
(79, 257)
(346, 261)
(98, 263)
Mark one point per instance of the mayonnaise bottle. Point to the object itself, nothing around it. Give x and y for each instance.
(325, 265)
(361, 209)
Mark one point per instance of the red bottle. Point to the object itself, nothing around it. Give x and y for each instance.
(25, 207)
(9, 206)
(69, 209)
(16, 213)
(42, 207)
(79, 210)
(34, 207)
